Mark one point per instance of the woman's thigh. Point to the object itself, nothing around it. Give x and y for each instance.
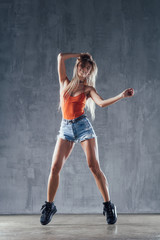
(90, 148)
(62, 150)
(84, 130)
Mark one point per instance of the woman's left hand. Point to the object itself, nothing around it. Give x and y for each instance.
(128, 92)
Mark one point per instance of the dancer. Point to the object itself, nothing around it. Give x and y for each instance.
(76, 127)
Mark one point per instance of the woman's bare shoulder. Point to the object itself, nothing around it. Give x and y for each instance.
(87, 90)
(90, 87)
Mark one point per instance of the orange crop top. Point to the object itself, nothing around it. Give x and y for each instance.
(73, 107)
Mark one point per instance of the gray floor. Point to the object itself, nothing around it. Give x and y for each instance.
(25, 227)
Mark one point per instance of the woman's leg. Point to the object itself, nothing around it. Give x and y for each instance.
(62, 151)
(90, 147)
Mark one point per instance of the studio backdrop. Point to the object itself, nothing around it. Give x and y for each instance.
(123, 36)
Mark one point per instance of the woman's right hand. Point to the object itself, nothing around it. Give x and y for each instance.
(85, 55)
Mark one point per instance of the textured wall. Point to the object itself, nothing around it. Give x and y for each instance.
(123, 37)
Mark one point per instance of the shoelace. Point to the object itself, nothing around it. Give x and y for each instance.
(46, 207)
(108, 209)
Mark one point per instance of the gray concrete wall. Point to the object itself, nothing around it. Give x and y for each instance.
(123, 37)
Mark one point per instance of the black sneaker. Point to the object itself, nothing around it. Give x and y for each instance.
(110, 211)
(48, 210)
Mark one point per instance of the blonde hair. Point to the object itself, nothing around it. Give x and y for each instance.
(74, 83)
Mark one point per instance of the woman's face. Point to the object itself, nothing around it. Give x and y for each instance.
(84, 69)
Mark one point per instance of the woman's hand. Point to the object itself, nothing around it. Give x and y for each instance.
(84, 55)
(128, 93)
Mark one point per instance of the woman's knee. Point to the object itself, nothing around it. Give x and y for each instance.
(55, 169)
(95, 168)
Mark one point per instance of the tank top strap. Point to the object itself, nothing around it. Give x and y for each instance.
(83, 88)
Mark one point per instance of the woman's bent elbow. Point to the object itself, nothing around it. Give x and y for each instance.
(101, 104)
(59, 56)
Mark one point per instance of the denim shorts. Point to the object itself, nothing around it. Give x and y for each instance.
(77, 129)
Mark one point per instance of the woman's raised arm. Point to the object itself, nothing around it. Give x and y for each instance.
(68, 55)
(61, 65)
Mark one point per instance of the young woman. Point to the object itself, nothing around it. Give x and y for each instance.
(75, 95)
